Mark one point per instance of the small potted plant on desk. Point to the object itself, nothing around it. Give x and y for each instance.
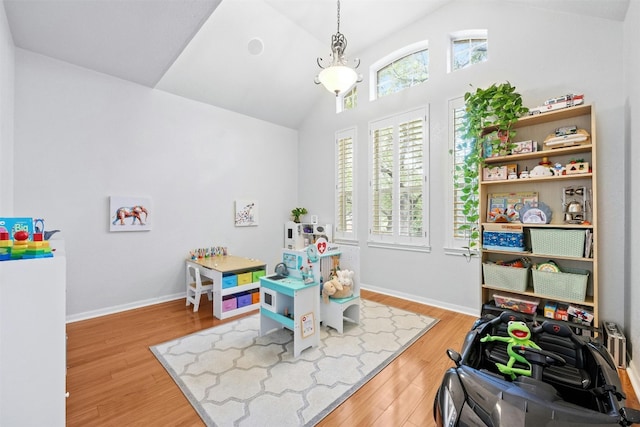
(296, 213)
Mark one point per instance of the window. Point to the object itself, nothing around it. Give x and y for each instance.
(349, 100)
(458, 237)
(398, 191)
(345, 227)
(468, 48)
(403, 68)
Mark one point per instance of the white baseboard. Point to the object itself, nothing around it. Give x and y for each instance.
(124, 307)
(427, 301)
(634, 379)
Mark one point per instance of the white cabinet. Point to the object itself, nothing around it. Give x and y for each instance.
(33, 342)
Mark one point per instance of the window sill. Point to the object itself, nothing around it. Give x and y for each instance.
(461, 252)
(400, 247)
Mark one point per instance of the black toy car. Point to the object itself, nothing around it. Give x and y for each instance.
(569, 381)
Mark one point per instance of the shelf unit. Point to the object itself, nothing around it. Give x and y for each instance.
(217, 267)
(549, 189)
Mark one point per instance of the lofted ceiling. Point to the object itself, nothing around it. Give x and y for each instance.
(255, 57)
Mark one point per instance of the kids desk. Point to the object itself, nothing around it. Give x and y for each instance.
(225, 270)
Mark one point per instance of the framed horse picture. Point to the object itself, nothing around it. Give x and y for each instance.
(129, 213)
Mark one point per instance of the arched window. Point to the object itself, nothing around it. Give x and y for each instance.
(401, 69)
(467, 48)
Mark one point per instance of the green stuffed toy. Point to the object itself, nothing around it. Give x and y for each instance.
(519, 335)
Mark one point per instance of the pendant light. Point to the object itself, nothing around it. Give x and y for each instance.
(338, 77)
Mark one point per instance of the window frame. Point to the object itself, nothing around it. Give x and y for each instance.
(395, 240)
(341, 98)
(389, 59)
(464, 35)
(339, 234)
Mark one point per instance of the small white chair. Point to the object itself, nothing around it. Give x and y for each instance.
(196, 287)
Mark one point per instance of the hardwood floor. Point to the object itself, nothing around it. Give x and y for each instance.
(114, 379)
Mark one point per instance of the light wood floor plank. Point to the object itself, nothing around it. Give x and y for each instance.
(114, 379)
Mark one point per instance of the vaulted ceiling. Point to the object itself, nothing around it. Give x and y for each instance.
(255, 57)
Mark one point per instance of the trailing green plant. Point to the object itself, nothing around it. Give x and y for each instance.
(491, 114)
(489, 118)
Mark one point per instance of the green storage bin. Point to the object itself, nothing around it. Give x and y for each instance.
(570, 284)
(551, 241)
(257, 275)
(506, 277)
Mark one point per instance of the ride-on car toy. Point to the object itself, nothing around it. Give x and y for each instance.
(569, 381)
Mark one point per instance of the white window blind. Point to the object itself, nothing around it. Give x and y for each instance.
(459, 148)
(345, 190)
(398, 179)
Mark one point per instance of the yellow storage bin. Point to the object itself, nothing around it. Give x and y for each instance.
(244, 278)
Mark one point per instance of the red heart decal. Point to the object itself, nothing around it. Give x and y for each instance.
(322, 246)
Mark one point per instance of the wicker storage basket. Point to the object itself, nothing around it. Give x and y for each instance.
(568, 285)
(505, 277)
(551, 241)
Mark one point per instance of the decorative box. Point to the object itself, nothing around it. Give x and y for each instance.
(550, 309)
(577, 168)
(496, 173)
(522, 147)
(561, 312)
(503, 237)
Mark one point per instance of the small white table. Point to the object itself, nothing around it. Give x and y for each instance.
(292, 304)
(215, 267)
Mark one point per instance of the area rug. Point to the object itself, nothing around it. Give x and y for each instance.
(234, 377)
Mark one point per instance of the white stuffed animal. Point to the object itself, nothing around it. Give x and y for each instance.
(338, 287)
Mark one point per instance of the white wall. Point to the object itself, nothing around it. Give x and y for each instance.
(632, 151)
(6, 115)
(542, 60)
(82, 136)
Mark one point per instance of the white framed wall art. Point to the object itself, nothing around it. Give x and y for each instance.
(130, 213)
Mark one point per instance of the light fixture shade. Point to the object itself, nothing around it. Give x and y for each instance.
(338, 78)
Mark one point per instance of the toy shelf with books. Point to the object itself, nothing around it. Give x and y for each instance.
(538, 209)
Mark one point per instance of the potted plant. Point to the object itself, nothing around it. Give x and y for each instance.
(296, 213)
(490, 116)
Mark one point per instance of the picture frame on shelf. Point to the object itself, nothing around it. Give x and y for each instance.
(504, 207)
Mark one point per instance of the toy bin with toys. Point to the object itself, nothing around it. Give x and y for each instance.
(527, 306)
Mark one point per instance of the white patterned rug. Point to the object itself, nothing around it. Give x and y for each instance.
(234, 377)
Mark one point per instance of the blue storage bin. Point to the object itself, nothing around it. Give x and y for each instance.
(229, 281)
